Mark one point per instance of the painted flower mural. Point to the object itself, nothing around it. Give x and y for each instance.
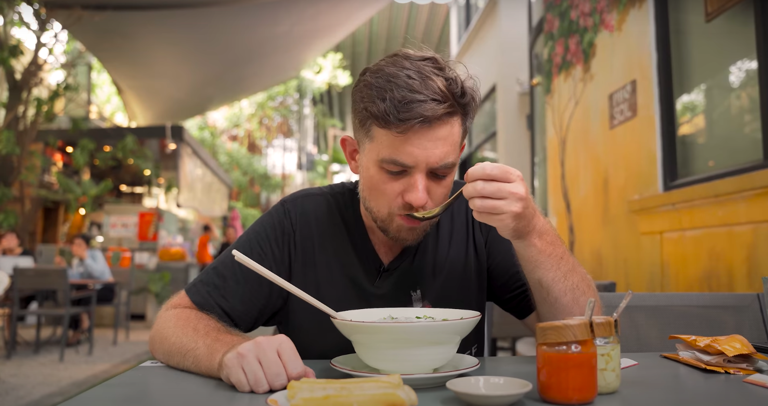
(570, 30)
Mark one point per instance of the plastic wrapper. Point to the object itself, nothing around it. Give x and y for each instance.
(732, 354)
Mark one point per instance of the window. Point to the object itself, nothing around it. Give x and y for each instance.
(712, 102)
(467, 11)
(486, 152)
(481, 140)
(485, 120)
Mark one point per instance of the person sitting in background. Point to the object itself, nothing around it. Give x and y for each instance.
(89, 270)
(230, 235)
(204, 247)
(10, 245)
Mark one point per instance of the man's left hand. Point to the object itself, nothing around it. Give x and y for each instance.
(498, 196)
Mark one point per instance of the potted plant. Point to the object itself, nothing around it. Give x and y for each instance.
(158, 284)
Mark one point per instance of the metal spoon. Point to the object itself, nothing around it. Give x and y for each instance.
(437, 211)
(622, 305)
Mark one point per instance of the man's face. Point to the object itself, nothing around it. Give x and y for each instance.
(405, 173)
(230, 234)
(9, 241)
(79, 248)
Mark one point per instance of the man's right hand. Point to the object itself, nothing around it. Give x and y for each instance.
(263, 364)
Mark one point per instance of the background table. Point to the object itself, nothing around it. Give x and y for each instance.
(655, 381)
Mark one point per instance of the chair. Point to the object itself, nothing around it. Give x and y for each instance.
(490, 343)
(45, 254)
(650, 318)
(605, 286)
(764, 300)
(48, 278)
(123, 288)
(5, 283)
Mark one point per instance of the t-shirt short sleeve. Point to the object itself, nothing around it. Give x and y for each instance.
(238, 296)
(507, 285)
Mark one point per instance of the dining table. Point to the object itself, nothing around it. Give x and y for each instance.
(653, 381)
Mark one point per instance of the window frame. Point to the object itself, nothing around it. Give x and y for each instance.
(668, 123)
(472, 145)
(535, 31)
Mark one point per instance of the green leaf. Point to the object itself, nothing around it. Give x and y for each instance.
(6, 194)
(8, 144)
(8, 219)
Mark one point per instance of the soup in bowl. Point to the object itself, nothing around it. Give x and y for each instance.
(406, 340)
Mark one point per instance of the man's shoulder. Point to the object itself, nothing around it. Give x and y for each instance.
(321, 196)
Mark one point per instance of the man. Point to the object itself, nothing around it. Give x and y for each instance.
(351, 246)
(230, 235)
(10, 245)
(205, 248)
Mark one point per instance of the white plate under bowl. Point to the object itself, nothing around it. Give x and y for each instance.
(460, 364)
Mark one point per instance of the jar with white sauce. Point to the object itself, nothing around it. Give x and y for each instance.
(608, 354)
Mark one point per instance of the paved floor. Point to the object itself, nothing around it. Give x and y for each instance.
(29, 379)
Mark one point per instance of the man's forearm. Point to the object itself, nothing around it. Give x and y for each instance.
(560, 285)
(187, 339)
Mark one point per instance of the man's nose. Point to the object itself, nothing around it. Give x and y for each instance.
(416, 194)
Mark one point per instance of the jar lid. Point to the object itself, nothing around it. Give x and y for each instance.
(563, 331)
(603, 326)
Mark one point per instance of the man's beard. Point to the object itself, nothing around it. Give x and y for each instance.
(387, 223)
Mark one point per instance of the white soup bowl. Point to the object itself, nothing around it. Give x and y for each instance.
(406, 347)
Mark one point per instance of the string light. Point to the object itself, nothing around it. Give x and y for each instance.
(81, 211)
(147, 172)
(123, 187)
(69, 149)
(107, 148)
(130, 161)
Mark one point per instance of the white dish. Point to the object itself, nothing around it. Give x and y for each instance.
(489, 390)
(460, 364)
(411, 347)
(278, 399)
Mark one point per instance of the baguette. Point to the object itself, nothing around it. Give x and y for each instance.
(380, 391)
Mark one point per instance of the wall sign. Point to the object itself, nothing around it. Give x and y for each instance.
(122, 226)
(623, 104)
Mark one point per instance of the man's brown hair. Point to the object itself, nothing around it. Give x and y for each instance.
(410, 89)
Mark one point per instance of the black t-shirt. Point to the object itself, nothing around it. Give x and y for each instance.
(222, 248)
(316, 239)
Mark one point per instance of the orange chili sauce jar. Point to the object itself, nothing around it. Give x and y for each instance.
(566, 362)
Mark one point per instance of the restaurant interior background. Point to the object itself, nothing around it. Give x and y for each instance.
(636, 123)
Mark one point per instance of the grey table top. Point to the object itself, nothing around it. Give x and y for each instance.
(655, 381)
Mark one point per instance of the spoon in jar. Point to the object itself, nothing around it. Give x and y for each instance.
(590, 309)
(622, 305)
(437, 211)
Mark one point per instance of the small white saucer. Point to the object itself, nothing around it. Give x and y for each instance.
(278, 399)
(489, 390)
(459, 364)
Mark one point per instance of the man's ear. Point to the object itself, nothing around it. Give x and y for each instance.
(352, 152)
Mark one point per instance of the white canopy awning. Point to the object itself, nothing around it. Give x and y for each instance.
(173, 59)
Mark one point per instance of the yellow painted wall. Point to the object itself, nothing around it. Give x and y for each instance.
(711, 237)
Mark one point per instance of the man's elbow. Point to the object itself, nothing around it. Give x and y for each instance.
(162, 328)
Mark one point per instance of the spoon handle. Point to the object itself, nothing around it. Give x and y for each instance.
(590, 309)
(239, 257)
(622, 305)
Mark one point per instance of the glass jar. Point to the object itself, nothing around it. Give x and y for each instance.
(608, 355)
(566, 362)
